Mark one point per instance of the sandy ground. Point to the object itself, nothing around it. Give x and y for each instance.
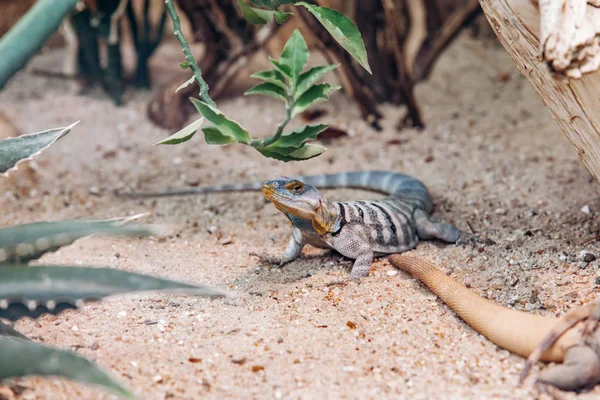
(491, 155)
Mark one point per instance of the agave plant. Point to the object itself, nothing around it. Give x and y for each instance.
(32, 291)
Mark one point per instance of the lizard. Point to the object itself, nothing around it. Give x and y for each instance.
(359, 230)
(572, 340)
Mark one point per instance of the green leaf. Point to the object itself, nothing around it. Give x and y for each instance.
(292, 145)
(282, 16)
(312, 76)
(272, 4)
(213, 135)
(226, 126)
(184, 134)
(316, 94)
(185, 84)
(23, 243)
(268, 89)
(291, 141)
(184, 65)
(36, 290)
(255, 15)
(343, 31)
(281, 68)
(16, 150)
(304, 153)
(272, 76)
(7, 330)
(19, 358)
(294, 54)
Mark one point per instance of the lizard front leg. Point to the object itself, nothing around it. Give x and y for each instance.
(350, 244)
(292, 251)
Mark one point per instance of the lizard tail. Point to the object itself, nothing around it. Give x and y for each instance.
(391, 183)
(235, 187)
(516, 331)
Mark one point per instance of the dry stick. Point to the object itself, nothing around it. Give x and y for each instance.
(188, 54)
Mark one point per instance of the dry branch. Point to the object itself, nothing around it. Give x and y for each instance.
(573, 103)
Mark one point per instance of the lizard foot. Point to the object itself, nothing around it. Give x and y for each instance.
(265, 258)
(468, 238)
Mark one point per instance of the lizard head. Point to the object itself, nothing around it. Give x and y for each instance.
(302, 203)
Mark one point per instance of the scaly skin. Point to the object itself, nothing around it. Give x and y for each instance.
(539, 338)
(359, 230)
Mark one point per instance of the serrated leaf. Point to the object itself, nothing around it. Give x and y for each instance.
(26, 242)
(225, 125)
(36, 290)
(294, 54)
(213, 135)
(343, 31)
(291, 141)
(312, 76)
(184, 65)
(272, 76)
(16, 150)
(7, 330)
(304, 153)
(19, 358)
(268, 89)
(255, 15)
(316, 94)
(185, 84)
(184, 134)
(281, 68)
(282, 16)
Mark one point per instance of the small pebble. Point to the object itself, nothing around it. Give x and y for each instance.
(586, 209)
(392, 272)
(587, 256)
(598, 280)
(157, 379)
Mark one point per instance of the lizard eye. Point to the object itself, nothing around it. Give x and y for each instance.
(295, 186)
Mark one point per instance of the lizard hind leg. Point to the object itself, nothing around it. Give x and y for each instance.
(580, 370)
(427, 228)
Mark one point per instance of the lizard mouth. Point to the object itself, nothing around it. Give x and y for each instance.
(281, 202)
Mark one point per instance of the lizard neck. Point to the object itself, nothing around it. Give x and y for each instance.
(325, 219)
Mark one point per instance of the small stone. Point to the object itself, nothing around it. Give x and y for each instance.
(598, 280)
(351, 325)
(256, 368)
(239, 360)
(122, 314)
(74, 329)
(587, 256)
(392, 272)
(500, 211)
(586, 209)
(212, 229)
(157, 379)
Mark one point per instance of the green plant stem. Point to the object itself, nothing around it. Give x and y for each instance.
(280, 127)
(29, 34)
(188, 54)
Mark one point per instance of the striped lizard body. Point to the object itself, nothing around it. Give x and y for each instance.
(359, 230)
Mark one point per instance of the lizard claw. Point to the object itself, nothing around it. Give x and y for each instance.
(264, 258)
(468, 238)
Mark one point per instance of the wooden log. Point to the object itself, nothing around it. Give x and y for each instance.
(573, 103)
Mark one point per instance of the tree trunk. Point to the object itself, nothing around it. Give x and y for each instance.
(573, 103)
